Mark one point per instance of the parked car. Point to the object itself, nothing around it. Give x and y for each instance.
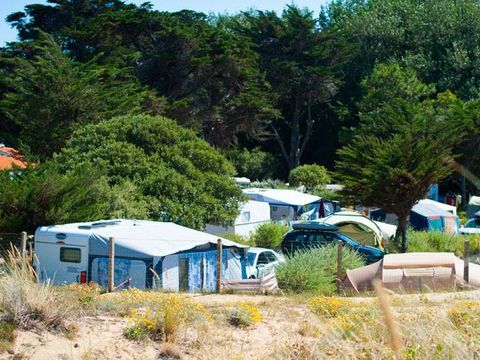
(309, 234)
(261, 261)
(471, 227)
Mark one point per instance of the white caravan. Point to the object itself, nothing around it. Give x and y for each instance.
(147, 254)
(252, 215)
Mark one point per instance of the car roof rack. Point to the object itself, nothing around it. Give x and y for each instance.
(314, 225)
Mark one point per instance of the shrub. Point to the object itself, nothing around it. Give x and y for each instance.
(255, 164)
(311, 176)
(163, 317)
(315, 270)
(436, 241)
(465, 315)
(246, 314)
(330, 306)
(269, 235)
(238, 239)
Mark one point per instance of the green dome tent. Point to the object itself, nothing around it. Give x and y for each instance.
(358, 227)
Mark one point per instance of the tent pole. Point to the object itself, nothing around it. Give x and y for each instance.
(219, 265)
(111, 267)
(339, 266)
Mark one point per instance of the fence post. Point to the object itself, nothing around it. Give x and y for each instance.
(339, 265)
(23, 243)
(466, 263)
(111, 265)
(219, 265)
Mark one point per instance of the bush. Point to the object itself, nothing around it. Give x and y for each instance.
(246, 314)
(238, 239)
(269, 235)
(311, 176)
(326, 306)
(436, 241)
(254, 164)
(163, 317)
(315, 270)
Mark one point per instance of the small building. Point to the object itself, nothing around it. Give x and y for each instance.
(148, 254)
(11, 158)
(290, 204)
(252, 215)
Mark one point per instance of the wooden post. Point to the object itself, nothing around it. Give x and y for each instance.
(23, 242)
(339, 266)
(466, 263)
(111, 267)
(219, 265)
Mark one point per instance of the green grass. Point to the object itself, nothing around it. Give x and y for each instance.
(435, 241)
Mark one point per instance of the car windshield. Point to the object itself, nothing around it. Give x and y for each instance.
(472, 223)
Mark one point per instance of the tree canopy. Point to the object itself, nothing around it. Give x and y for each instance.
(405, 144)
(179, 176)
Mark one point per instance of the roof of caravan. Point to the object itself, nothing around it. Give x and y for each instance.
(429, 210)
(281, 196)
(449, 208)
(148, 237)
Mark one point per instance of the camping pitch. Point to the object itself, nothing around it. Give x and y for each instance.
(147, 254)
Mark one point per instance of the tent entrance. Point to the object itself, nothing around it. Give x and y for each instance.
(183, 267)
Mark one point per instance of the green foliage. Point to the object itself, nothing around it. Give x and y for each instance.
(311, 176)
(239, 239)
(269, 235)
(179, 177)
(436, 241)
(43, 196)
(403, 146)
(254, 164)
(315, 270)
(49, 95)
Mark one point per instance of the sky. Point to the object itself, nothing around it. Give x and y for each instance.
(216, 6)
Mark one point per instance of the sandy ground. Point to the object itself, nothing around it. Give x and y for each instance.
(284, 322)
(98, 338)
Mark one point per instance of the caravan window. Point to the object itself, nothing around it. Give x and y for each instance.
(246, 216)
(72, 255)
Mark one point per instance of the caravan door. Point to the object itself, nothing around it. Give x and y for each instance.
(62, 262)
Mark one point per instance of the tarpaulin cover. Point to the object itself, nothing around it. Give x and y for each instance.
(413, 271)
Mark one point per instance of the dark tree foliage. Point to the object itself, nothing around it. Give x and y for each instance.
(300, 64)
(49, 95)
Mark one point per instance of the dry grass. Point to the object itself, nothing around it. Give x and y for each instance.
(27, 304)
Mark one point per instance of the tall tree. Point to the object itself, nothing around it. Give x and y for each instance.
(48, 94)
(299, 61)
(403, 146)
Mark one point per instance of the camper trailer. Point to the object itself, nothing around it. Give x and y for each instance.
(146, 254)
(290, 204)
(252, 215)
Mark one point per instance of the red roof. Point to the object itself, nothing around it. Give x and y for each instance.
(10, 157)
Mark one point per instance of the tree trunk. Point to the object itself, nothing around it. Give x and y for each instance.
(402, 225)
(294, 159)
